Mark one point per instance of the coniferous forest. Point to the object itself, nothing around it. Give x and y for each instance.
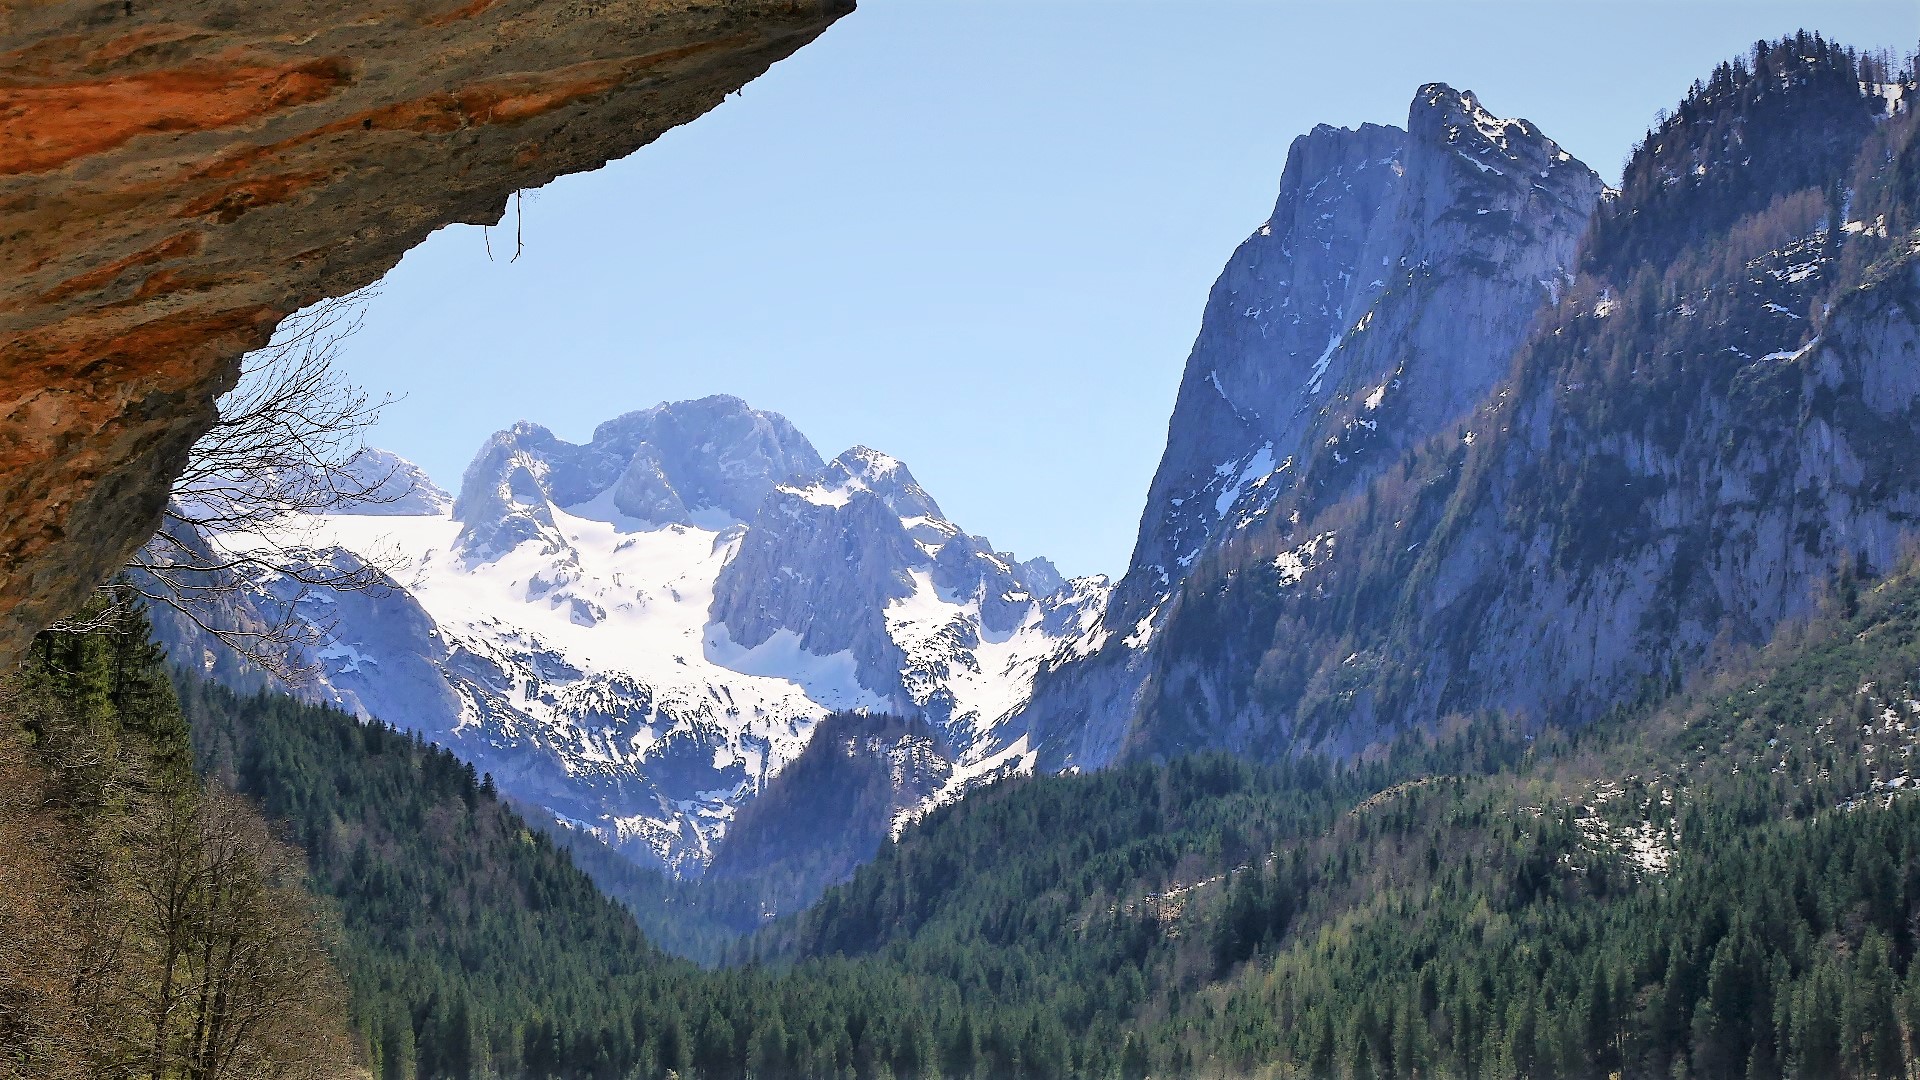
(1486, 905)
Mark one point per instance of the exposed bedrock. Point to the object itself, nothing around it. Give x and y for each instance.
(176, 178)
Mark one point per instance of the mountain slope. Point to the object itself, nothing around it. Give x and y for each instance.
(1686, 452)
(1719, 882)
(463, 931)
(832, 808)
(1720, 885)
(1211, 915)
(1377, 306)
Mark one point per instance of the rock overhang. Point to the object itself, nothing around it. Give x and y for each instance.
(175, 180)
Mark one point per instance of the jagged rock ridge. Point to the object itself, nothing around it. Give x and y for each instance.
(1708, 433)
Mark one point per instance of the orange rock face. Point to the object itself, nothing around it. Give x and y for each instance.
(177, 177)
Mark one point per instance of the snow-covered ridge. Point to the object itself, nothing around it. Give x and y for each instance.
(638, 633)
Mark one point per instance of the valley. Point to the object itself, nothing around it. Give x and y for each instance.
(1516, 674)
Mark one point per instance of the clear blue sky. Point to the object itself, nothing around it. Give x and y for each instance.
(977, 235)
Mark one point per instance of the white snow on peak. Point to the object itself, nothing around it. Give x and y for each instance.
(857, 470)
(1477, 163)
(949, 651)
(1016, 759)
(868, 463)
(829, 680)
(1320, 364)
(1143, 630)
(822, 495)
(593, 643)
(1791, 354)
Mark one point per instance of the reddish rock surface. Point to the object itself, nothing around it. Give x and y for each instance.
(177, 177)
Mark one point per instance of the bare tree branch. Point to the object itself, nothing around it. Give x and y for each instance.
(288, 445)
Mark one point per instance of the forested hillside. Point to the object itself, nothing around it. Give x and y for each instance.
(1725, 885)
(1685, 887)
(472, 945)
(1717, 882)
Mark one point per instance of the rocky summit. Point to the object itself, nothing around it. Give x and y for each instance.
(1706, 438)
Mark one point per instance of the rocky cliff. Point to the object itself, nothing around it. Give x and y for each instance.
(1376, 306)
(708, 462)
(858, 559)
(1708, 434)
(832, 808)
(175, 178)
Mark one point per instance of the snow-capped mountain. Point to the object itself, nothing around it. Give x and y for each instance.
(639, 632)
(1377, 305)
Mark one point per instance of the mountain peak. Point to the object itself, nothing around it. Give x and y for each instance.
(1454, 118)
(503, 499)
(869, 462)
(1331, 345)
(691, 411)
(393, 485)
(863, 469)
(709, 461)
(638, 632)
(711, 458)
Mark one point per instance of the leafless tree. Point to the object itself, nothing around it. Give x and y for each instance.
(220, 967)
(262, 998)
(288, 444)
(151, 927)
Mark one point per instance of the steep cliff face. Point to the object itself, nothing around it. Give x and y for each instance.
(1376, 306)
(857, 559)
(1380, 301)
(175, 178)
(1710, 431)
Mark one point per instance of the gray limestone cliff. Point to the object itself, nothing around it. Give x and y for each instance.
(707, 462)
(1708, 435)
(1378, 304)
